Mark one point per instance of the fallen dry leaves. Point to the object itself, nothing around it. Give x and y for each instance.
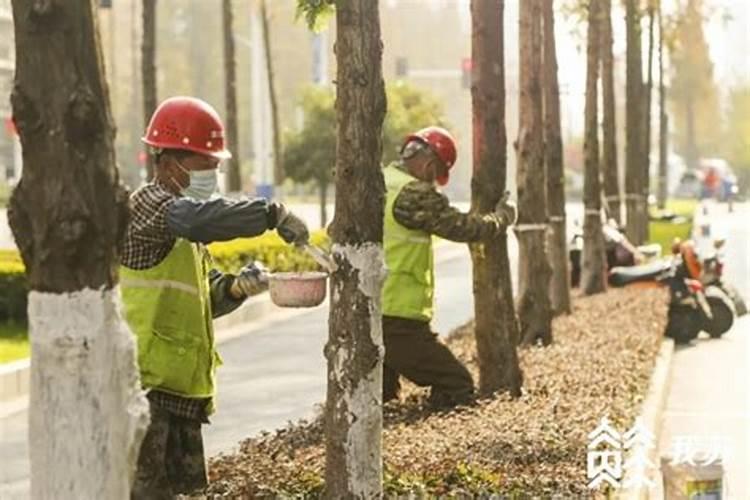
(599, 365)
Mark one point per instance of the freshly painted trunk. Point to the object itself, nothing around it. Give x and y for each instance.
(353, 418)
(633, 124)
(148, 70)
(278, 166)
(534, 311)
(496, 328)
(609, 127)
(557, 241)
(593, 277)
(234, 178)
(68, 214)
(663, 121)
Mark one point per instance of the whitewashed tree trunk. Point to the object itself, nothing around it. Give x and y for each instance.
(353, 419)
(68, 215)
(87, 413)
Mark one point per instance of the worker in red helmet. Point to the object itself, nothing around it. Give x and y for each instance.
(171, 293)
(414, 211)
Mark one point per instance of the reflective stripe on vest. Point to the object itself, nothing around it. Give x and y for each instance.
(132, 282)
(168, 307)
(409, 288)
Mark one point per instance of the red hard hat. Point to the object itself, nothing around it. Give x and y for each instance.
(442, 144)
(187, 123)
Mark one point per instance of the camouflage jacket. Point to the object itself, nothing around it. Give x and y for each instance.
(420, 206)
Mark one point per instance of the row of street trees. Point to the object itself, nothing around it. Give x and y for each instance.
(69, 213)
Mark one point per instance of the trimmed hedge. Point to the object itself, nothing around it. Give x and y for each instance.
(269, 249)
(12, 288)
(228, 256)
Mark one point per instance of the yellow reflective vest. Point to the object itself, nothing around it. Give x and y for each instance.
(409, 289)
(168, 307)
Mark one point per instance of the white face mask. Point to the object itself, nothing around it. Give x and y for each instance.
(202, 183)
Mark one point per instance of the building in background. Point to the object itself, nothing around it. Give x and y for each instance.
(10, 161)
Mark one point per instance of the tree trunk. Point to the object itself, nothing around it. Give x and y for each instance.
(646, 180)
(633, 123)
(278, 166)
(354, 350)
(691, 146)
(234, 179)
(323, 190)
(496, 328)
(557, 241)
(609, 150)
(87, 414)
(663, 123)
(534, 312)
(148, 71)
(593, 277)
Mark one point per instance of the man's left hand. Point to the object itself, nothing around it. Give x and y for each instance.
(506, 210)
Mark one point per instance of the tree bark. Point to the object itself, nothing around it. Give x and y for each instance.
(534, 312)
(633, 124)
(496, 327)
(278, 165)
(354, 349)
(323, 190)
(87, 413)
(148, 71)
(234, 179)
(646, 179)
(557, 241)
(609, 150)
(593, 277)
(663, 121)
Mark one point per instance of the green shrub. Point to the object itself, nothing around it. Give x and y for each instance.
(268, 249)
(12, 290)
(228, 256)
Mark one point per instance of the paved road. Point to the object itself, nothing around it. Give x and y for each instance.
(709, 400)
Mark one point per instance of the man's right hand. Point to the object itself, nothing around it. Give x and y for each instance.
(291, 228)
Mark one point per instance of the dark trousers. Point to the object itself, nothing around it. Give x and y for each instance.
(413, 351)
(171, 459)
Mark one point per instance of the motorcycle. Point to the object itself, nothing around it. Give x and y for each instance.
(619, 251)
(725, 301)
(688, 311)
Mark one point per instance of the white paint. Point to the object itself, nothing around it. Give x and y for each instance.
(362, 403)
(87, 413)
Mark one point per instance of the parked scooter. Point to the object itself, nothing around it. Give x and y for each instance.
(688, 310)
(619, 251)
(724, 299)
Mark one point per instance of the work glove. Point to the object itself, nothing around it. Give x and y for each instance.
(291, 228)
(506, 210)
(252, 279)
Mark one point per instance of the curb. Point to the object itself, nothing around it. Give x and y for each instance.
(652, 411)
(255, 313)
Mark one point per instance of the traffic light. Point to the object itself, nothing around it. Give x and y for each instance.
(466, 66)
(402, 67)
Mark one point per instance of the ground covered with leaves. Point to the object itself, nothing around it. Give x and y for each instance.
(599, 365)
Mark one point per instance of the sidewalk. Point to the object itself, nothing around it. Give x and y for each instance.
(708, 407)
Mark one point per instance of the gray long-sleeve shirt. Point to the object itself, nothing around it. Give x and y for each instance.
(159, 217)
